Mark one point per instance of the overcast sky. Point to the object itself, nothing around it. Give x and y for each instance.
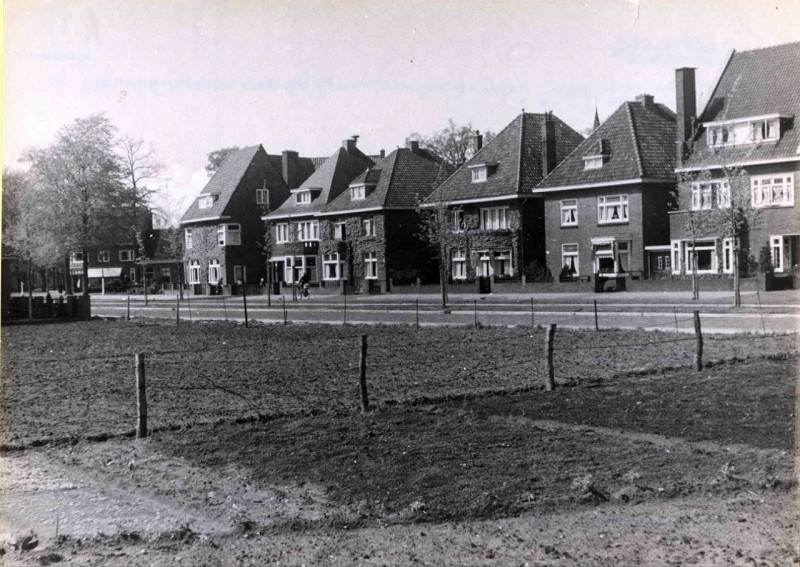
(191, 77)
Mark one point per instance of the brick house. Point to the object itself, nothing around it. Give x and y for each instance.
(223, 226)
(606, 205)
(295, 224)
(497, 217)
(748, 123)
(369, 234)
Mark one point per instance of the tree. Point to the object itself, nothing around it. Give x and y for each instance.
(266, 243)
(455, 144)
(216, 158)
(21, 223)
(695, 224)
(436, 228)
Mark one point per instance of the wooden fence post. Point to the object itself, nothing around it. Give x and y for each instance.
(550, 385)
(698, 355)
(189, 306)
(675, 315)
(283, 299)
(532, 322)
(344, 313)
(416, 307)
(596, 325)
(141, 397)
(761, 310)
(177, 310)
(362, 374)
(475, 307)
(244, 300)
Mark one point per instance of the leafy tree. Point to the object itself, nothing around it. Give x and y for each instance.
(216, 158)
(695, 224)
(436, 228)
(455, 144)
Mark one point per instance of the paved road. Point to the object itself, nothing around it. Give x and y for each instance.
(668, 313)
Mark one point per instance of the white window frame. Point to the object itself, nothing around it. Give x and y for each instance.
(194, 272)
(569, 212)
(214, 271)
(205, 202)
(332, 261)
(302, 198)
(282, 232)
(593, 162)
(706, 244)
(370, 265)
(494, 218)
(484, 266)
(132, 274)
(675, 254)
(765, 130)
(126, 256)
(721, 135)
(369, 227)
(763, 190)
(605, 206)
(459, 268)
(307, 231)
(187, 238)
(457, 219)
(727, 255)
(358, 192)
(568, 253)
(103, 256)
(776, 249)
(262, 197)
(480, 174)
(501, 261)
(229, 234)
(339, 230)
(707, 195)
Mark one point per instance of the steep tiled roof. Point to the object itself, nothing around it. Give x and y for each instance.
(331, 178)
(755, 83)
(636, 142)
(226, 180)
(401, 180)
(517, 153)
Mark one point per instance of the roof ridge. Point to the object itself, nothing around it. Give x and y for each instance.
(635, 139)
(770, 47)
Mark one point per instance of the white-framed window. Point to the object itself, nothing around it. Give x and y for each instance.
(288, 272)
(706, 256)
(458, 221)
(370, 265)
(229, 234)
(570, 258)
(126, 256)
(214, 271)
(612, 257)
(332, 267)
(103, 256)
(711, 194)
(766, 130)
(484, 266)
(569, 212)
(307, 231)
(262, 197)
(494, 218)
(676, 256)
(459, 264)
(340, 231)
(502, 263)
(194, 272)
(302, 198)
(721, 135)
(479, 174)
(593, 162)
(772, 190)
(662, 262)
(205, 202)
(623, 257)
(727, 255)
(358, 192)
(612, 209)
(369, 227)
(132, 274)
(187, 238)
(776, 246)
(282, 232)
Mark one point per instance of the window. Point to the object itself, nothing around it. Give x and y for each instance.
(282, 232)
(331, 267)
(126, 255)
(77, 257)
(708, 195)
(570, 259)
(339, 231)
(205, 202)
(772, 191)
(623, 257)
(776, 245)
(307, 231)
(262, 197)
(149, 274)
(369, 227)
(479, 174)
(287, 270)
(706, 257)
(458, 221)
(613, 209)
(194, 272)
(214, 272)
(720, 135)
(502, 262)
(765, 130)
(103, 256)
(166, 275)
(727, 255)
(604, 258)
(495, 218)
(229, 234)
(676, 256)
(132, 274)
(459, 265)
(569, 212)
(187, 238)
(593, 162)
(484, 268)
(370, 266)
(662, 262)
(302, 198)
(358, 192)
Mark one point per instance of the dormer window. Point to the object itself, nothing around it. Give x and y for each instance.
(303, 198)
(593, 162)
(596, 155)
(481, 171)
(358, 192)
(765, 130)
(205, 202)
(747, 130)
(720, 136)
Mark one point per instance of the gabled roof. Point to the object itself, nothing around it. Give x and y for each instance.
(754, 83)
(402, 180)
(331, 179)
(228, 178)
(517, 151)
(637, 142)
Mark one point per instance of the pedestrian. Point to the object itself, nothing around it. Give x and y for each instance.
(304, 287)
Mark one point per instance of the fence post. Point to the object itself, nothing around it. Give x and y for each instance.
(761, 310)
(550, 385)
(475, 307)
(177, 310)
(283, 299)
(129, 308)
(225, 308)
(244, 300)
(675, 315)
(344, 313)
(532, 323)
(362, 374)
(141, 397)
(189, 306)
(698, 355)
(416, 307)
(596, 325)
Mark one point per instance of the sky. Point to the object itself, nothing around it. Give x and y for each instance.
(190, 77)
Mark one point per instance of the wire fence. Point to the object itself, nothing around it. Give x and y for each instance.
(208, 373)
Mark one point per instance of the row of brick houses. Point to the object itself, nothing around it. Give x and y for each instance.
(537, 198)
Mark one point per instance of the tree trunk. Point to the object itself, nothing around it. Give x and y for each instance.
(67, 275)
(180, 280)
(443, 278)
(695, 282)
(269, 282)
(30, 290)
(737, 295)
(85, 274)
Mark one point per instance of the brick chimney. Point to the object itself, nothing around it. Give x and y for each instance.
(413, 145)
(685, 110)
(291, 169)
(383, 154)
(646, 101)
(548, 144)
(350, 144)
(478, 140)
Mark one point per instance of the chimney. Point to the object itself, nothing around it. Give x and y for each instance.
(478, 140)
(291, 169)
(646, 101)
(383, 154)
(413, 145)
(548, 144)
(350, 144)
(685, 110)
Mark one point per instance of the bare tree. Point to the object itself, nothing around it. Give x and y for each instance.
(695, 224)
(455, 144)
